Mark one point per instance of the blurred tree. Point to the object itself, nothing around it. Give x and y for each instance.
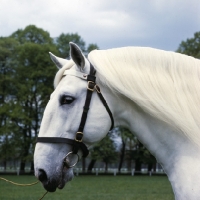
(62, 43)
(92, 47)
(7, 50)
(141, 155)
(34, 78)
(133, 150)
(33, 83)
(104, 151)
(32, 34)
(191, 46)
(127, 139)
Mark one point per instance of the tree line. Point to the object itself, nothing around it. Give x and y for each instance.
(26, 82)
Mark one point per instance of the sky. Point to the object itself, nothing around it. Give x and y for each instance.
(160, 24)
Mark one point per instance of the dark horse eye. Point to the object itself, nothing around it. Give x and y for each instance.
(66, 100)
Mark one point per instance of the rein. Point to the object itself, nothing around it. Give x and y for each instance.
(19, 184)
(77, 142)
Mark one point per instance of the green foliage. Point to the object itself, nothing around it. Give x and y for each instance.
(32, 34)
(104, 151)
(7, 49)
(141, 153)
(191, 46)
(63, 40)
(33, 83)
(133, 149)
(127, 136)
(92, 47)
(26, 82)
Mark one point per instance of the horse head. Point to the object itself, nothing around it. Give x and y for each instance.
(61, 120)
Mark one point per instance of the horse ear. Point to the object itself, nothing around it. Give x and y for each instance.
(77, 55)
(60, 62)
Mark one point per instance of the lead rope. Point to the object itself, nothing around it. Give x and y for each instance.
(43, 195)
(19, 184)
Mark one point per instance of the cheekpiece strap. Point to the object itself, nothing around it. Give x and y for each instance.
(90, 88)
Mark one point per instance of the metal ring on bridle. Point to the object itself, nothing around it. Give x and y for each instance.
(67, 163)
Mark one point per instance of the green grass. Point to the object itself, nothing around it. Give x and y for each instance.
(93, 188)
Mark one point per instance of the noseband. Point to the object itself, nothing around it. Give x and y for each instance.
(77, 142)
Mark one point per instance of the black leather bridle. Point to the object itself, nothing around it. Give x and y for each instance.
(77, 142)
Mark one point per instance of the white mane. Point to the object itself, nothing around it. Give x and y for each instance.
(164, 84)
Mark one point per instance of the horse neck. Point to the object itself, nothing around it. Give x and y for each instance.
(179, 157)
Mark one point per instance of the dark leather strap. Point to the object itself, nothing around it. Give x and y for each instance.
(80, 145)
(106, 106)
(91, 84)
(86, 106)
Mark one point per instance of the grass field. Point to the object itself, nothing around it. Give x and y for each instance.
(92, 188)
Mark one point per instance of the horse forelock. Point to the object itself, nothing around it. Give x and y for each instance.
(165, 84)
(59, 74)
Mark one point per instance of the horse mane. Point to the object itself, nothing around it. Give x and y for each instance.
(164, 84)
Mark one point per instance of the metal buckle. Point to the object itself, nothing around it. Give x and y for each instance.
(88, 86)
(81, 138)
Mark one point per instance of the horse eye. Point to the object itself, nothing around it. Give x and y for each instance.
(66, 100)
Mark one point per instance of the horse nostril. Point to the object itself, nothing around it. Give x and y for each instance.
(42, 176)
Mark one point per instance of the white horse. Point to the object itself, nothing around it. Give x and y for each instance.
(153, 93)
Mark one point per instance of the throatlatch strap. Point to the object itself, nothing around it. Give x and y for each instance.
(107, 108)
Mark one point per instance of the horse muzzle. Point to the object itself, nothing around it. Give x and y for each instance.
(49, 184)
(54, 181)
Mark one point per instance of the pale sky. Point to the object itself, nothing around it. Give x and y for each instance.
(161, 24)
